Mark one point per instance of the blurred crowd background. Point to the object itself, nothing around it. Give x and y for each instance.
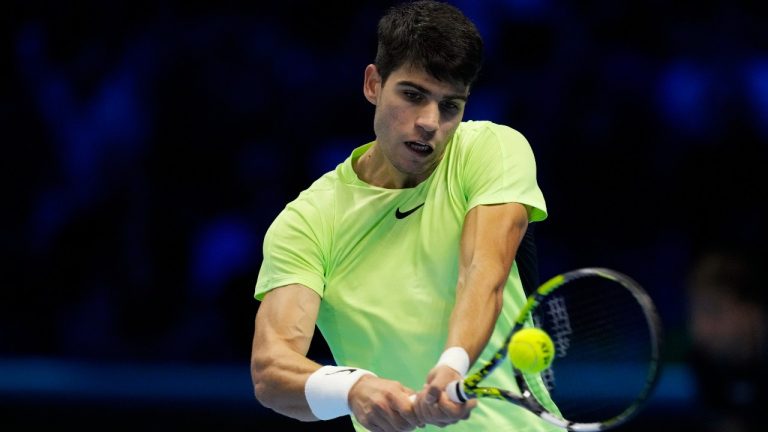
(147, 145)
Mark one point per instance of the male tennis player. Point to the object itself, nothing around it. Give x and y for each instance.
(404, 255)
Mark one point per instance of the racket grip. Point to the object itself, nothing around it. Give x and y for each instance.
(455, 390)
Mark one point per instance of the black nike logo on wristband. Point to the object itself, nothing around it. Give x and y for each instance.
(405, 214)
(349, 371)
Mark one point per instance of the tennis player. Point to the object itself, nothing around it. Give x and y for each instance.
(404, 255)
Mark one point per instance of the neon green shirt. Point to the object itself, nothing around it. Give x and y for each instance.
(385, 261)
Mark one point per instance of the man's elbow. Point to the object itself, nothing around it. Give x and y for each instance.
(267, 392)
(261, 383)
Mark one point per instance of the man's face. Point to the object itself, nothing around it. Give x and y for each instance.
(416, 115)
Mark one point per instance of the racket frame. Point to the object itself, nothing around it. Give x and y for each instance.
(469, 388)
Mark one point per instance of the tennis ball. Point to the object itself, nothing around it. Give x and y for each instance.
(531, 350)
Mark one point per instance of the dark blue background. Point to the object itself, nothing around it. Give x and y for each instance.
(148, 145)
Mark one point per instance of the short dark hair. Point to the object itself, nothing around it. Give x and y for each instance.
(431, 35)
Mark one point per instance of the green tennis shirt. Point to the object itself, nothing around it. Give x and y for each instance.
(386, 261)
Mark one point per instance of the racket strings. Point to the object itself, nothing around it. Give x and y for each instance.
(604, 349)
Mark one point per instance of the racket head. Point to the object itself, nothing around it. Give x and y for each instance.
(607, 336)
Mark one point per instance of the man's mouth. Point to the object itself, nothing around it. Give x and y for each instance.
(419, 147)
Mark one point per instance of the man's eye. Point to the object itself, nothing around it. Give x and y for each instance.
(450, 107)
(412, 95)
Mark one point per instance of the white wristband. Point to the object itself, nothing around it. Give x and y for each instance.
(457, 358)
(327, 390)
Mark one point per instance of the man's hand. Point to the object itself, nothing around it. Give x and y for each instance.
(383, 405)
(432, 404)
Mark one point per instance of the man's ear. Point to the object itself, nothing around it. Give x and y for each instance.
(371, 83)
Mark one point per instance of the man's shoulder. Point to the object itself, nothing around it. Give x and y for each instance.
(483, 135)
(483, 128)
(320, 192)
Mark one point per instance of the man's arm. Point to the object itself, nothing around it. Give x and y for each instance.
(489, 242)
(285, 324)
(490, 237)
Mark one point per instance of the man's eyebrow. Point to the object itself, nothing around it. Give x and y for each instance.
(427, 92)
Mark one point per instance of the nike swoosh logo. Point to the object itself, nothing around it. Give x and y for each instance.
(349, 371)
(405, 214)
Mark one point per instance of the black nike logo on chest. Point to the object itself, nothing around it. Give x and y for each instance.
(405, 214)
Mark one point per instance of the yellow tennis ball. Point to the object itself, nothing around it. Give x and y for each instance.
(531, 350)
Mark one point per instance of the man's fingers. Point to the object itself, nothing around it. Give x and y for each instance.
(407, 411)
(433, 395)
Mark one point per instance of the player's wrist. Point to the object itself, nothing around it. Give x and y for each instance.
(456, 358)
(327, 390)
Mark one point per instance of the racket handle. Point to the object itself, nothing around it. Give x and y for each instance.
(455, 390)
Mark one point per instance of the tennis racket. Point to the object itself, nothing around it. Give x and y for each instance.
(607, 338)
